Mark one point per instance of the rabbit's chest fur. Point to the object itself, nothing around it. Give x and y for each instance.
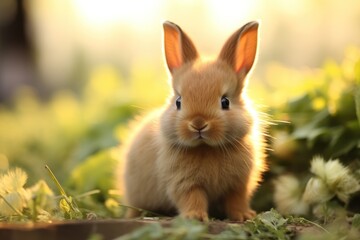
(213, 169)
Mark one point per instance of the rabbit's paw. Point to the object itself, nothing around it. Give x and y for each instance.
(241, 216)
(196, 214)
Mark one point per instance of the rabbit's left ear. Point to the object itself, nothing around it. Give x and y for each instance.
(178, 47)
(239, 50)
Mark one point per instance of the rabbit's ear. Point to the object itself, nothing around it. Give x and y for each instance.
(178, 47)
(240, 49)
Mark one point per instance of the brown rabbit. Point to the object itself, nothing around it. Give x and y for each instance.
(203, 153)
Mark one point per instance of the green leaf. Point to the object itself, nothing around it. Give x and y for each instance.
(344, 139)
(317, 134)
(268, 225)
(357, 102)
(272, 219)
(317, 121)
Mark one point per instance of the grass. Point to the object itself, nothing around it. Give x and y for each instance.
(266, 225)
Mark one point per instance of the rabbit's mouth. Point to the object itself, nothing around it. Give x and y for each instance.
(199, 130)
(202, 138)
(198, 137)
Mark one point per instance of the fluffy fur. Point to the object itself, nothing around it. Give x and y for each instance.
(199, 159)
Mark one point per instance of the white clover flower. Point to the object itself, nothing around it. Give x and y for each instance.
(318, 167)
(12, 192)
(316, 191)
(346, 187)
(13, 180)
(335, 173)
(331, 179)
(287, 196)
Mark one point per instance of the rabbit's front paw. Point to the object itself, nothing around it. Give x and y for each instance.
(196, 214)
(241, 216)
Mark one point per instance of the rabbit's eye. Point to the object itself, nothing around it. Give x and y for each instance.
(178, 103)
(225, 103)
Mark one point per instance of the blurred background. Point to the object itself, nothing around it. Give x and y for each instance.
(73, 72)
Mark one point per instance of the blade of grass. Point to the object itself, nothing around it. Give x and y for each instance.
(58, 185)
(68, 199)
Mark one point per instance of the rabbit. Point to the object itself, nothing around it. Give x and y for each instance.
(203, 153)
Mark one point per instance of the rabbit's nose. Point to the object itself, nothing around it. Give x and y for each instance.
(198, 125)
(198, 129)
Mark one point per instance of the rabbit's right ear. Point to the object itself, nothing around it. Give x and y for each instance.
(178, 47)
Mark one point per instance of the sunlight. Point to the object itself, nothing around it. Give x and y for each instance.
(229, 12)
(291, 6)
(108, 12)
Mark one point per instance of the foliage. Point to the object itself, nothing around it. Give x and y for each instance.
(18, 203)
(327, 193)
(323, 122)
(267, 225)
(38, 203)
(84, 178)
(69, 127)
(180, 229)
